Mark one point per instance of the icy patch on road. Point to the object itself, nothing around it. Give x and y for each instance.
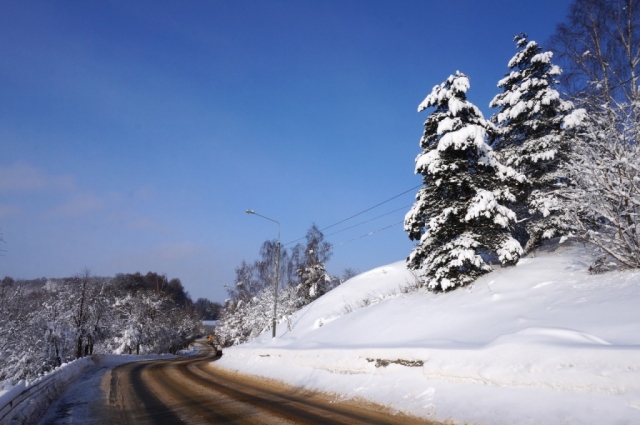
(78, 405)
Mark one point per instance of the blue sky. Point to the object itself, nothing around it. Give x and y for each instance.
(133, 135)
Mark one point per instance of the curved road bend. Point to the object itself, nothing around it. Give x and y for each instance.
(189, 391)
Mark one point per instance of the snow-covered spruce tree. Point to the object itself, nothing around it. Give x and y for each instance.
(458, 219)
(314, 281)
(530, 138)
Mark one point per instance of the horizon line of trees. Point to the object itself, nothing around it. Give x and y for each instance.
(48, 322)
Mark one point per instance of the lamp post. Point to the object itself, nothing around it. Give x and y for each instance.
(275, 284)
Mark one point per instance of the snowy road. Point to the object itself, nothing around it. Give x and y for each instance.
(193, 391)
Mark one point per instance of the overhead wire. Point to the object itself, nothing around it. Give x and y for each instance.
(360, 213)
(368, 234)
(367, 221)
(622, 83)
(375, 206)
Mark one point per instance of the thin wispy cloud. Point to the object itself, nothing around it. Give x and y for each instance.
(22, 177)
(73, 201)
(165, 257)
(142, 193)
(8, 210)
(177, 251)
(144, 224)
(78, 206)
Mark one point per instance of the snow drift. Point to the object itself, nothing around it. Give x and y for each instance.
(543, 342)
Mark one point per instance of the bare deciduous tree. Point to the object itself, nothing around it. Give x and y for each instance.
(599, 47)
(2, 251)
(605, 203)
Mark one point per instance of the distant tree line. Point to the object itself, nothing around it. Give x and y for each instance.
(47, 322)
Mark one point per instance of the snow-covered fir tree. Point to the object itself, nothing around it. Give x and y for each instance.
(531, 139)
(459, 218)
(314, 281)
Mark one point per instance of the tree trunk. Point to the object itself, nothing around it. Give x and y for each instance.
(79, 348)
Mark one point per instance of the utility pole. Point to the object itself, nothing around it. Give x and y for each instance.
(277, 272)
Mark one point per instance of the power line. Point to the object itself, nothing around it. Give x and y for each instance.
(368, 234)
(364, 222)
(375, 206)
(622, 83)
(360, 213)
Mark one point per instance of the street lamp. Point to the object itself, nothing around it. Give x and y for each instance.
(275, 284)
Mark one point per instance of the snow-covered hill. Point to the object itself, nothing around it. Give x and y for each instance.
(542, 342)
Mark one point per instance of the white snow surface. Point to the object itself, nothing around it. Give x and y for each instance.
(65, 372)
(575, 118)
(541, 342)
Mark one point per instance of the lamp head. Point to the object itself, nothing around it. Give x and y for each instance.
(251, 212)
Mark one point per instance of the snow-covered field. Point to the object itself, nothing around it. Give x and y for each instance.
(542, 342)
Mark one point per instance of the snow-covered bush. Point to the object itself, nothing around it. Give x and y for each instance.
(150, 323)
(21, 354)
(459, 218)
(246, 320)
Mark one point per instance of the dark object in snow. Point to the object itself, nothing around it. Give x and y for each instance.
(402, 362)
(600, 266)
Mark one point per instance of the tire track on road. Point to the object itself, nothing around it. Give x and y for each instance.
(195, 392)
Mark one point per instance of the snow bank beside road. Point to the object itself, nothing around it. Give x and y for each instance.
(25, 401)
(542, 341)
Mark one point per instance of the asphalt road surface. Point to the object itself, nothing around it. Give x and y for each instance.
(191, 391)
